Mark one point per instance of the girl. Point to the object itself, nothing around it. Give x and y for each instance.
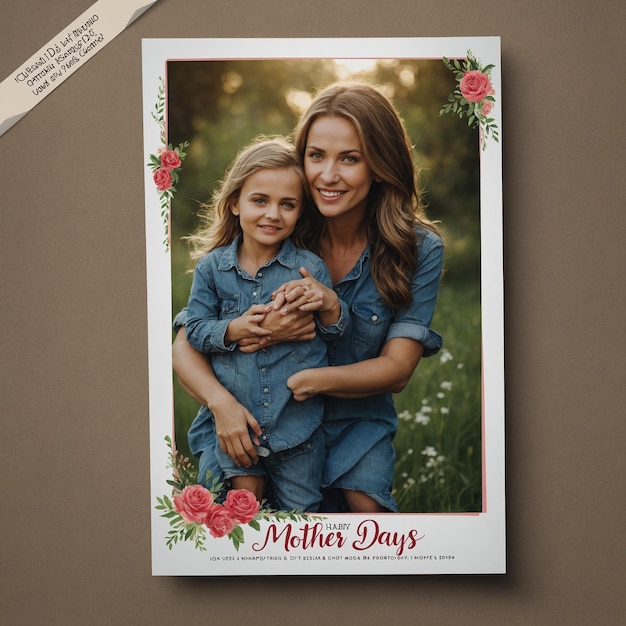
(241, 255)
(385, 259)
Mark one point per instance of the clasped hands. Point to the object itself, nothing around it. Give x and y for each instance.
(288, 317)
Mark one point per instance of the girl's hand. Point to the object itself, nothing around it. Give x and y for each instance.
(295, 326)
(247, 326)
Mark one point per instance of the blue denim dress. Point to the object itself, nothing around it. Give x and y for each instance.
(359, 432)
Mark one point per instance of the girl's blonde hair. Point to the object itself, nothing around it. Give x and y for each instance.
(394, 207)
(218, 226)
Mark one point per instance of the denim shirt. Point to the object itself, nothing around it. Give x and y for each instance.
(222, 291)
(373, 323)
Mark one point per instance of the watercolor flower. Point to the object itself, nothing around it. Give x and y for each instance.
(165, 162)
(194, 503)
(162, 179)
(193, 509)
(474, 96)
(486, 107)
(219, 522)
(170, 160)
(242, 505)
(475, 86)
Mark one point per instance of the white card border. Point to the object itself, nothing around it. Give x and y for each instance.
(477, 541)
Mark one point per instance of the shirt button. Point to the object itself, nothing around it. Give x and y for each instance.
(266, 404)
(254, 293)
(260, 274)
(264, 369)
(374, 318)
(266, 390)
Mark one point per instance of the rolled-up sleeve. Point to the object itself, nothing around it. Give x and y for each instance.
(205, 331)
(336, 330)
(414, 322)
(180, 320)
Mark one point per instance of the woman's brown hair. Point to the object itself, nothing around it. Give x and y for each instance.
(394, 207)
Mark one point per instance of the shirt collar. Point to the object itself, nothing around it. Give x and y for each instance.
(286, 255)
(357, 270)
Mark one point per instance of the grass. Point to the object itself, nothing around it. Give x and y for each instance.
(438, 445)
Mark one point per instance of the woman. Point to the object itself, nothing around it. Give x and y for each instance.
(385, 261)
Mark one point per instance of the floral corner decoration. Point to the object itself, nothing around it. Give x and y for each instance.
(193, 509)
(473, 97)
(165, 163)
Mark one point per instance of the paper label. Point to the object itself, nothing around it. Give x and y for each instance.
(57, 60)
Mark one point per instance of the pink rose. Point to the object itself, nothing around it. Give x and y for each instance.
(170, 160)
(194, 502)
(486, 107)
(219, 521)
(162, 179)
(242, 505)
(475, 86)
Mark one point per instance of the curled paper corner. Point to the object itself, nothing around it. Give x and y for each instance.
(51, 65)
(138, 12)
(11, 121)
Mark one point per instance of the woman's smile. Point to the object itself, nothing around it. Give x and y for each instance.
(330, 195)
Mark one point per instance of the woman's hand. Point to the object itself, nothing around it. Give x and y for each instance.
(303, 383)
(307, 294)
